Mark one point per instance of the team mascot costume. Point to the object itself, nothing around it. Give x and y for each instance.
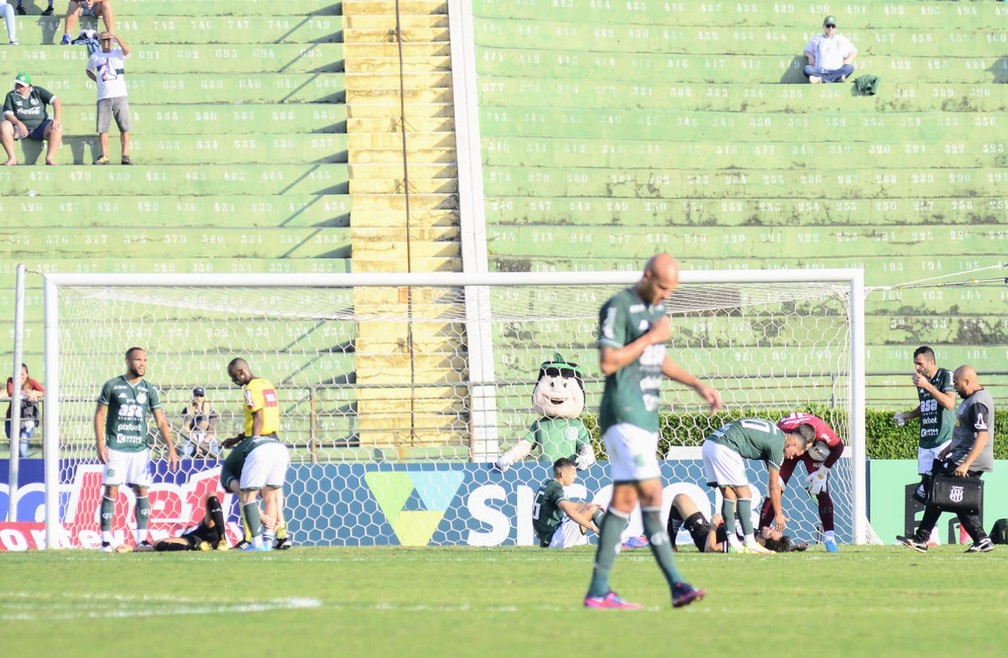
(559, 397)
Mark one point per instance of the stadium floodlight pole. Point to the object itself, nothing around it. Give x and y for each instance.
(15, 408)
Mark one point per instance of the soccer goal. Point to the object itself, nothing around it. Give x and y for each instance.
(398, 390)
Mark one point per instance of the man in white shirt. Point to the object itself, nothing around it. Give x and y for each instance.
(107, 68)
(830, 55)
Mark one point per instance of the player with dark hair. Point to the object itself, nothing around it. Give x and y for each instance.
(818, 459)
(711, 536)
(262, 460)
(559, 522)
(724, 453)
(209, 535)
(936, 408)
(120, 426)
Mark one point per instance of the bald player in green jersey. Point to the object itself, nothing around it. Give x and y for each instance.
(633, 330)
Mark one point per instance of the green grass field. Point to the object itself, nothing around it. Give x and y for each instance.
(866, 601)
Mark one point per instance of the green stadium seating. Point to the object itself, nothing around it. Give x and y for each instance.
(611, 130)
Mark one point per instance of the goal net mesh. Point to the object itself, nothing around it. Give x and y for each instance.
(395, 399)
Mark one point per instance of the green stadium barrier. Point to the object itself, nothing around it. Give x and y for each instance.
(201, 119)
(218, 88)
(583, 64)
(562, 153)
(724, 38)
(212, 241)
(252, 211)
(225, 7)
(214, 59)
(744, 183)
(232, 179)
(898, 96)
(185, 30)
(732, 126)
(288, 148)
(702, 15)
(502, 211)
(810, 242)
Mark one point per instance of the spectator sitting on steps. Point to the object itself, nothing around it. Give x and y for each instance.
(830, 55)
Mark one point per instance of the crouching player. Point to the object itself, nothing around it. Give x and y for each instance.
(711, 536)
(558, 521)
(209, 535)
(818, 459)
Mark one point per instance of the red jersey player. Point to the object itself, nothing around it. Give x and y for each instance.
(820, 457)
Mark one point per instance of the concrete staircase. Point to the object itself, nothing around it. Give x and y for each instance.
(403, 181)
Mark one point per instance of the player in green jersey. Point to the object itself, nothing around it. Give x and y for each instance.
(557, 521)
(120, 426)
(633, 330)
(936, 410)
(724, 453)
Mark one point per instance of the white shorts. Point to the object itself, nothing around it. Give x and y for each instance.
(722, 465)
(129, 468)
(926, 457)
(568, 534)
(633, 453)
(265, 466)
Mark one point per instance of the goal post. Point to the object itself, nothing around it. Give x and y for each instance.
(397, 390)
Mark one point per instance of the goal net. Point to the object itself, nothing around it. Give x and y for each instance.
(398, 391)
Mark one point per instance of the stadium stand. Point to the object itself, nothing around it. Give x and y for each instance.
(612, 129)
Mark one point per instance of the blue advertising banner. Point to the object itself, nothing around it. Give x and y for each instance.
(364, 504)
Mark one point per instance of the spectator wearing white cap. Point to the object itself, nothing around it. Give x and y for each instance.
(830, 55)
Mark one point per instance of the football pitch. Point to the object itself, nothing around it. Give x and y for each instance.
(865, 601)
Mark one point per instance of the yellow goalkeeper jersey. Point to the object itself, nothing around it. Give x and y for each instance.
(260, 396)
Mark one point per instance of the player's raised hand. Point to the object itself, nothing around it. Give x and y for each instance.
(661, 330)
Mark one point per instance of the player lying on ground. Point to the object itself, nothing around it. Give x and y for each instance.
(711, 536)
(208, 535)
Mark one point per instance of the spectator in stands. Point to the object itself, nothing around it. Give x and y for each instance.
(830, 55)
(48, 11)
(31, 393)
(25, 117)
(93, 8)
(8, 13)
(108, 69)
(199, 428)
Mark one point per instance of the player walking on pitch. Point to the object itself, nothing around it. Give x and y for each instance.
(633, 330)
(120, 425)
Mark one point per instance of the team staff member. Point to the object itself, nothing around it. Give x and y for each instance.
(969, 455)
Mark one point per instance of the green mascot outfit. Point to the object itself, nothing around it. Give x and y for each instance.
(559, 397)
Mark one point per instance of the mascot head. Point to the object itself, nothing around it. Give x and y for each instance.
(560, 390)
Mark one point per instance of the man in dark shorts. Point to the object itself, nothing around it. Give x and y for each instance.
(25, 117)
(209, 535)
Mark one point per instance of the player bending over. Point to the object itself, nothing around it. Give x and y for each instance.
(818, 459)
